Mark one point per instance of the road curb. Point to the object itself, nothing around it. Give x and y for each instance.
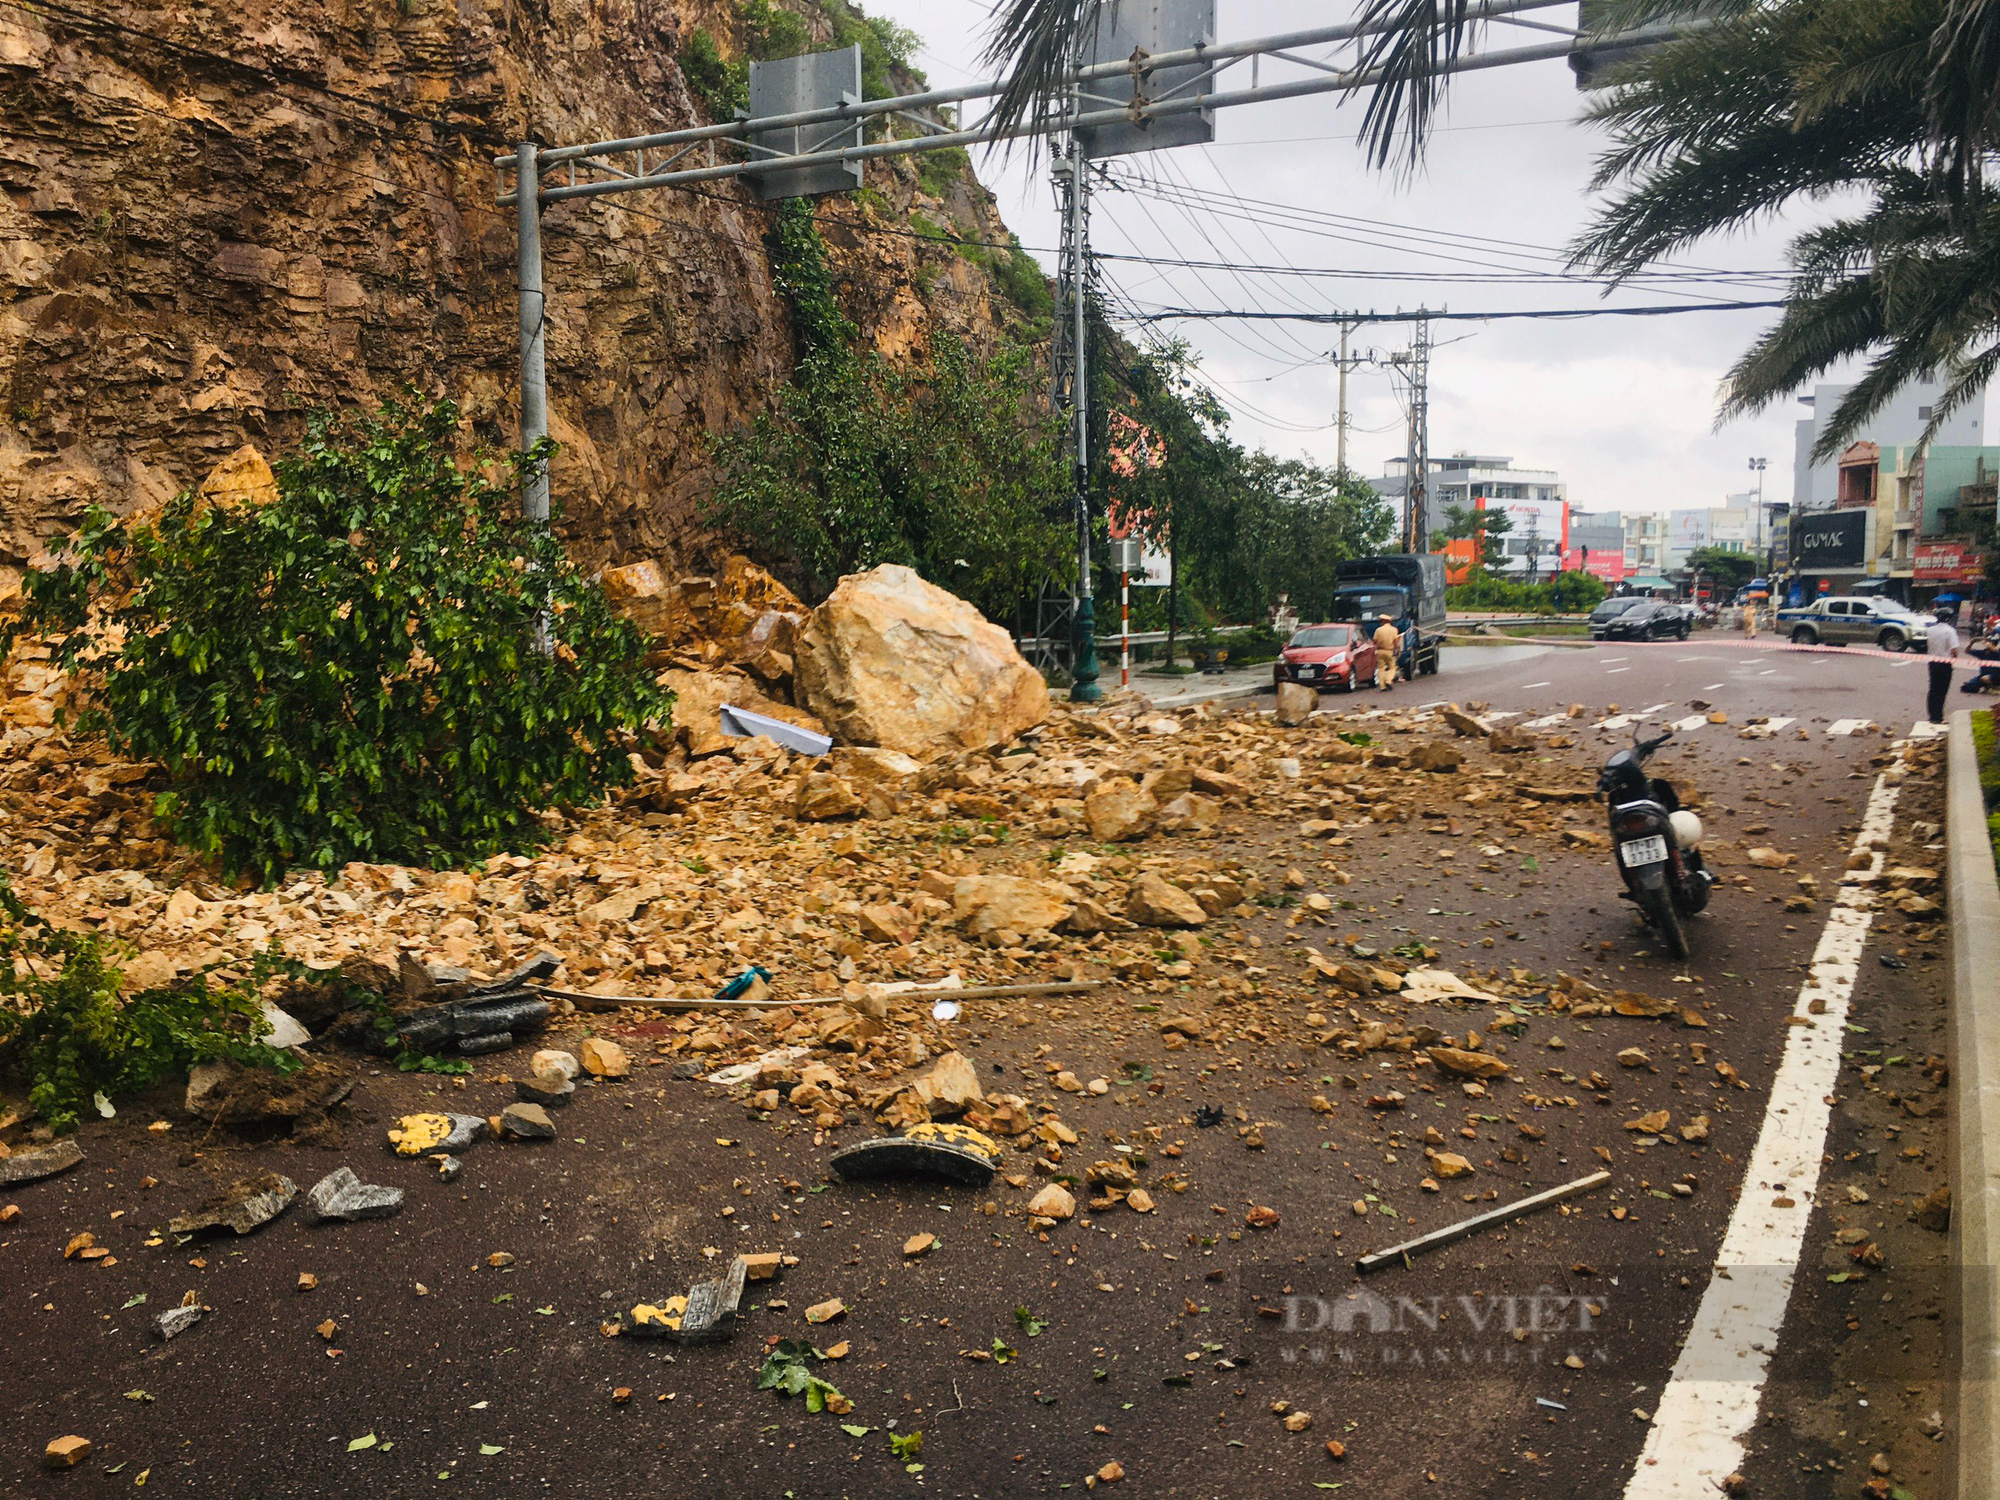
(1973, 894)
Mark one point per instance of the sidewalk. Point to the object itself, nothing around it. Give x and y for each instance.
(1200, 687)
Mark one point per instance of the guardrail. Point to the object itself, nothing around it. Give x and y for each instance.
(1137, 637)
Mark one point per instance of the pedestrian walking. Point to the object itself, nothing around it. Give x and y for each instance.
(1750, 620)
(1941, 643)
(1388, 643)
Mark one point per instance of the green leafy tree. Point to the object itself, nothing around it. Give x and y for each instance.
(1244, 527)
(384, 663)
(1727, 570)
(1489, 528)
(65, 1029)
(945, 467)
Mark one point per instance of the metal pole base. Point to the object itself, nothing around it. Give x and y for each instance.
(1083, 687)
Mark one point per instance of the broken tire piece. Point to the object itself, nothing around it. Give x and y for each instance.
(706, 1315)
(42, 1161)
(246, 1204)
(953, 1152)
(342, 1195)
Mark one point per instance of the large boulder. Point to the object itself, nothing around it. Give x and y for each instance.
(741, 615)
(1118, 808)
(1152, 902)
(882, 779)
(1296, 703)
(698, 701)
(993, 903)
(891, 660)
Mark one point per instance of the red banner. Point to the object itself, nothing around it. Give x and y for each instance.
(1947, 562)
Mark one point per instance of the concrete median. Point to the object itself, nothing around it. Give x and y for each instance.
(1974, 895)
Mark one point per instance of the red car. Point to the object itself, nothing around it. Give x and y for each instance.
(1326, 656)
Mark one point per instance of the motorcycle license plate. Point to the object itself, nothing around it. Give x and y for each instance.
(1648, 851)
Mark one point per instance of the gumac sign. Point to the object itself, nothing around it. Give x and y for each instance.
(1830, 539)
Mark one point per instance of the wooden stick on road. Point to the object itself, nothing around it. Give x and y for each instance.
(676, 1002)
(1473, 1225)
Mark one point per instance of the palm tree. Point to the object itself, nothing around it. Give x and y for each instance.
(1814, 100)
(1757, 105)
(1038, 40)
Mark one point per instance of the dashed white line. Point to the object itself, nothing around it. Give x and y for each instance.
(1766, 729)
(1526, 685)
(1841, 727)
(1617, 658)
(1690, 658)
(1713, 686)
(1544, 723)
(1691, 723)
(1711, 1401)
(1614, 671)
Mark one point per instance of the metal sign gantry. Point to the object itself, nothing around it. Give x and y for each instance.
(1151, 98)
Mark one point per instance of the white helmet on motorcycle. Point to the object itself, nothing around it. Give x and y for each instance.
(1687, 829)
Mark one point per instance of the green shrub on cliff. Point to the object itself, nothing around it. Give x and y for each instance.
(384, 663)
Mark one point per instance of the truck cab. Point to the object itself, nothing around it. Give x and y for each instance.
(1409, 589)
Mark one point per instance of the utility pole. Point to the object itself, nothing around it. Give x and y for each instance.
(1416, 365)
(1340, 441)
(1070, 369)
(534, 330)
(1420, 428)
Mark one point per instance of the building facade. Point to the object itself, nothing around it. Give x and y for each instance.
(1597, 545)
(1816, 486)
(1535, 501)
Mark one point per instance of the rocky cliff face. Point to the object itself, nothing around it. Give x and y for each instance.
(212, 217)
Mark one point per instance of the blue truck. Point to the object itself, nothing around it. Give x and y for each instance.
(1406, 586)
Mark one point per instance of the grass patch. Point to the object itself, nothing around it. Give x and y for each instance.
(1986, 750)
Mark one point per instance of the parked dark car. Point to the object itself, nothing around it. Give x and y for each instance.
(1333, 655)
(1645, 620)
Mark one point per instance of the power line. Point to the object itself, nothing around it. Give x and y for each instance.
(1193, 314)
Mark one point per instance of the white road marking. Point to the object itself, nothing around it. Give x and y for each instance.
(1614, 671)
(1711, 1401)
(1689, 658)
(1621, 721)
(1768, 672)
(1502, 713)
(1849, 726)
(1924, 729)
(1526, 685)
(1691, 723)
(1617, 658)
(1766, 729)
(1544, 723)
(1712, 687)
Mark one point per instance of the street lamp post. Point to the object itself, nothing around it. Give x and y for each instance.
(1757, 468)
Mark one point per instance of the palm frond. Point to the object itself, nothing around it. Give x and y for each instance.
(1419, 39)
(1036, 42)
(1962, 96)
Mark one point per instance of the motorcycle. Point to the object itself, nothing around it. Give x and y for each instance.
(1658, 843)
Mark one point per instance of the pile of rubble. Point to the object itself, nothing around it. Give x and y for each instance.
(964, 832)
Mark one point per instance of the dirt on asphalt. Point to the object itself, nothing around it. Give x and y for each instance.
(1172, 1352)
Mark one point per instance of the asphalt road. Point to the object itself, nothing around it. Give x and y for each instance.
(1524, 1362)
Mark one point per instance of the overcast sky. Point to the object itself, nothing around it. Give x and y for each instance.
(1623, 408)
